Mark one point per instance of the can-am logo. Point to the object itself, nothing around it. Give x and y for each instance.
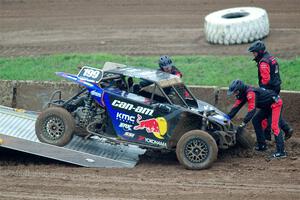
(129, 106)
(126, 127)
(125, 118)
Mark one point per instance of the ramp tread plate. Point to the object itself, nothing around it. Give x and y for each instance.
(17, 129)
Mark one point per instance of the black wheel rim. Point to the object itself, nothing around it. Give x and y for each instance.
(196, 150)
(54, 128)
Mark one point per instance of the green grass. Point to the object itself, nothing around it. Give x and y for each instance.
(197, 70)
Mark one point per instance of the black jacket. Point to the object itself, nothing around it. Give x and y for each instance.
(268, 72)
(256, 98)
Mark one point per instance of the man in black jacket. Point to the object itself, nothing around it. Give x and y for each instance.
(166, 65)
(269, 104)
(268, 78)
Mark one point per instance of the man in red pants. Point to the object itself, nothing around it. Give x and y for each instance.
(269, 104)
(268, 78)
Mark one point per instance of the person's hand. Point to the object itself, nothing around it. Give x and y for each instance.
(240, 128)
(242, 125)
(227, 117)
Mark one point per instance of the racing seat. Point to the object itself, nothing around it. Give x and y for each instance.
(136, 88)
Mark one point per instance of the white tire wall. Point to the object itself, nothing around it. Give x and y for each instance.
(236, 25)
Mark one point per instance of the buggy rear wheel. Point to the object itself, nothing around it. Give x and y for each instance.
(196, 149)
(55, 126)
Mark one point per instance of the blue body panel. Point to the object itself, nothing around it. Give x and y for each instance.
(125, 121)
(96, 92)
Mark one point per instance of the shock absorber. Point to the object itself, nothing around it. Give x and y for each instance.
(88, 103)
(86, 111)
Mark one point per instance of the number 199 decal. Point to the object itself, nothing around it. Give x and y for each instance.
(90, 74)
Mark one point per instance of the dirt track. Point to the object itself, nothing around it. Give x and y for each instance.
(133, 27)
(36, 27)
(236, 175)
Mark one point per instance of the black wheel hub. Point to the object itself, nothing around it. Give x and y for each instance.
(196, 150)
(54, 128)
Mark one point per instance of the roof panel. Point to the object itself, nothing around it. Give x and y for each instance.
(153, 75)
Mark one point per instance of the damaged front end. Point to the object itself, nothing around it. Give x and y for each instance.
(215, 123)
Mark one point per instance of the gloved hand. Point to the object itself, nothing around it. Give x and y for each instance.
(262, 87)
(227, 117)
(242, 125)
(240, 128)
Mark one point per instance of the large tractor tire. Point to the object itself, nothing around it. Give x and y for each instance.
(245, 139)
(236, 25)
(55, 126)
(196, 149)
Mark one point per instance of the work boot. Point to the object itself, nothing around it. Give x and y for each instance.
(280, 152)
(261, 147)
(278, 155)
(288, 134)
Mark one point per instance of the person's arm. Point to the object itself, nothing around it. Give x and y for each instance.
(235, 108)
(179, 74)
(251, 107)
(264, 69)
(176, 72)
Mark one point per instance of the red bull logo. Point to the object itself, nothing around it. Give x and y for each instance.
(158, 126)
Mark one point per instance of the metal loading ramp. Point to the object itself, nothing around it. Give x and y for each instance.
(17, 132)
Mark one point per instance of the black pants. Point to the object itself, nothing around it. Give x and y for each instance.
(260, 136)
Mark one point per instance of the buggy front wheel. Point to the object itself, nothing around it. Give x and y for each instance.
(196, 149)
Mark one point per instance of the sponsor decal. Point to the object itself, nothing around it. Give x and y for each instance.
(155, 142)
(158, 126)
(140, 138)
(151, 141)
(128, 134)
(97, 94)
(129, 106)
(125, 118)
(126, 127)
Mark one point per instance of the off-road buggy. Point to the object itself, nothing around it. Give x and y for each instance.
(140, 106)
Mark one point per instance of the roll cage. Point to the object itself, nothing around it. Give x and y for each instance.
(157, 86)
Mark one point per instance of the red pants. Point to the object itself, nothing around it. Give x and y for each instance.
(276, 111)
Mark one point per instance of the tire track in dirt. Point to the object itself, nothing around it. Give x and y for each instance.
(133, 27)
